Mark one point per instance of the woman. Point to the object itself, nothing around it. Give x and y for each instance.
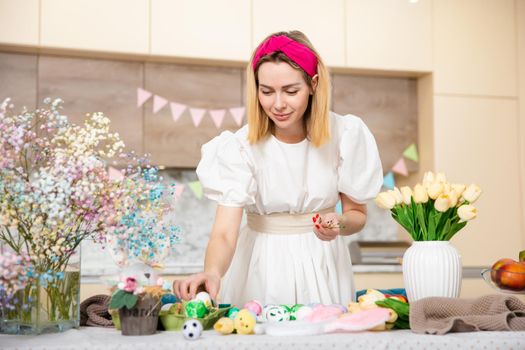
(287, 169)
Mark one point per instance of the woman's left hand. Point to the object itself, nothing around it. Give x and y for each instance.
(326, 227)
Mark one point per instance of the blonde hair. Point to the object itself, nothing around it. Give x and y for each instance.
(316, 117)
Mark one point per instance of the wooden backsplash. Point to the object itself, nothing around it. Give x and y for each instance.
(387, 105)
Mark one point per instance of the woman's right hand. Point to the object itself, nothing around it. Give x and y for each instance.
(187, 288)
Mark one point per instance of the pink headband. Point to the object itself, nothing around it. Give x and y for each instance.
(297, 52)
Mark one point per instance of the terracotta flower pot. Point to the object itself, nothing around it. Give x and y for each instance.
(142, 319)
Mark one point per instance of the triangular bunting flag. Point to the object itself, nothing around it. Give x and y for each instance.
(197, 114)
(115, 174)
(411, 153)
(178, 190)
(339, 208)
(400, 167)
(176, 110)
(142, 96)
(158, 103)
(237, 114)
(196, 188)
(217, 115)
(388, 180)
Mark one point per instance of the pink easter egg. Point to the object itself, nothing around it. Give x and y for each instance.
(254, 306)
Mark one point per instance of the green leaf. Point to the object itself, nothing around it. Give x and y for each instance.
(413, 210)
(442, 226)
(455, 228)
(445, 231)
(431, 224)
(407, 212)
(402, 324)
(402, 310)
(421, 221)
(117, 299)
(130, 300)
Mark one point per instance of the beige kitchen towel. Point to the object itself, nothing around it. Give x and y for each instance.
(495, 312)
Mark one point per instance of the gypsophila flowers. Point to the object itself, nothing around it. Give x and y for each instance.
(56, 189)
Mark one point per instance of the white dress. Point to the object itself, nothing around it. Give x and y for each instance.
(275, 177)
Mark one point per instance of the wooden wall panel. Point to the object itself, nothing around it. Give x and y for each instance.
(90, 85)
(388, 106)
(178, 143)
(18, 79)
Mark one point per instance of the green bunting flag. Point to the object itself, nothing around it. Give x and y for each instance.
(411, 153)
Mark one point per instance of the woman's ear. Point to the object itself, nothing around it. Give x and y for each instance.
(315, 80)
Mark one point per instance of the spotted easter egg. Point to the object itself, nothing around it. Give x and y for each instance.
(277, 314)
(192, 329)
(293, 311)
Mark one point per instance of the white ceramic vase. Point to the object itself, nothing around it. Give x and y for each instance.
(432, 269)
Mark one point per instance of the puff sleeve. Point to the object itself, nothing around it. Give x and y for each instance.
(360, 173)
(226, 171)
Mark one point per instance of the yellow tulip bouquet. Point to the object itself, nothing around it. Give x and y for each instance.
(434, 210)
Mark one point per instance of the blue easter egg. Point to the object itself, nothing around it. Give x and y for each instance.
(169, 299)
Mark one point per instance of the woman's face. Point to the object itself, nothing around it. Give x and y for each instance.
(283, 94)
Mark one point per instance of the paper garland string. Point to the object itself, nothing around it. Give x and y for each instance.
(197, 114)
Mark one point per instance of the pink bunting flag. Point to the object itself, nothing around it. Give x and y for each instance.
(158, 103)
(238, 114)
(217, 115)
(197, 114)
(400, 167)
(176, 110)
(115, 174)
(179, 188)
(142, 96)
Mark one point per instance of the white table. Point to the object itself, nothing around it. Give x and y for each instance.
(90, 338)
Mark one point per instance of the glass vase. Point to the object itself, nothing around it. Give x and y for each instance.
(49, 304)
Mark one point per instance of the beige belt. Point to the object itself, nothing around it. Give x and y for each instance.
(283, 223)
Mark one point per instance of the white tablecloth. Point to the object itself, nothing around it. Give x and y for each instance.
(100, 338)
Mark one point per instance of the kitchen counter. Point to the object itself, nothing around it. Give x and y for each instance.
(91, 338)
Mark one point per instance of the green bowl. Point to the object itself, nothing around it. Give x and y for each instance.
(116, 318)
(174, 322)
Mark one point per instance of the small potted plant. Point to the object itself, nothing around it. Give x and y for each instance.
(138, 306)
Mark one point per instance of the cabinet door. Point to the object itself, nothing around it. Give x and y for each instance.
(475, 47)
(389, 34)
(475, 141)
(322, 22)
(99, 25)
(209, 29)
(19, 22)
